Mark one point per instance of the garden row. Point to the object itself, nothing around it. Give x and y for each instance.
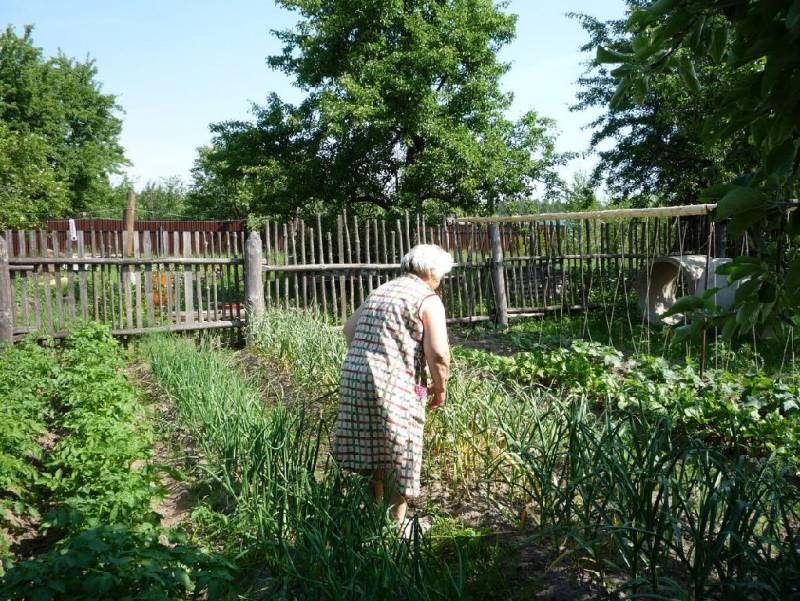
(297, 527)
(78, 480)
(645, 473)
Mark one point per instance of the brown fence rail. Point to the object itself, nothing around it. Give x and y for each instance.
(180, 280)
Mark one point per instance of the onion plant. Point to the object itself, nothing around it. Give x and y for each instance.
(662, 480)
(314, 532)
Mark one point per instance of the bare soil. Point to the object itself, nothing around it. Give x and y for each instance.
(534, 567)
(175, 507)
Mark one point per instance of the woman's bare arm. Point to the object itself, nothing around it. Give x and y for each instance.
(436, 346)
(350, 326)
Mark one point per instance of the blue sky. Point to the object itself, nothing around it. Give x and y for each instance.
(178, 65)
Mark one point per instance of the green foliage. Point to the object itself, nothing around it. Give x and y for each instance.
(752, 413)
(403, 110)
(759, 43)
(27, 384)
(579, 195)
(29, 189)
(59, 134)
(164, 198)
(660, 154)
(96, 480)
(94, 476)
(117, 562)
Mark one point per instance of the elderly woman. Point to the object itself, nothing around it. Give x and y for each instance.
(398, 330)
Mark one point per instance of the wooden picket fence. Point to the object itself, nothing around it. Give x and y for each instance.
(187, 280)
(51, 286)
(520, 266)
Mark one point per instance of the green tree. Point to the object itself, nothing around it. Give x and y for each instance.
(29, 191)
(403, 110)
(659, 154)
(164, 198)
(58, 102)
(580, 194)
(759, 40)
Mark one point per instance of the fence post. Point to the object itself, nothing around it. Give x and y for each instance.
(498, 277)
(253, 274)
(6, 310)
(720, 239)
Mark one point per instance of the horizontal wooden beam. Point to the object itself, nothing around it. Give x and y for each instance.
(520, 311)
(508, 259)
(30, 261)
(182, 327)
(609, 214)
(474, 319)
(332, 267)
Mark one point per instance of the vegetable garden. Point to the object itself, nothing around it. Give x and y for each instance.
(560, 467)
(591, 450)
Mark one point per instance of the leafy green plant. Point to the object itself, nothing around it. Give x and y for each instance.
(116, 562)
(100, 469)
(27, 384)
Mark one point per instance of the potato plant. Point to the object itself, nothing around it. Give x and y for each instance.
(27, 385)
(93, 485)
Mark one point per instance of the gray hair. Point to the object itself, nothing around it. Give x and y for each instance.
(427, 260)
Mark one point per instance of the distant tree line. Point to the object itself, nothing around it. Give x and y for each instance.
(403, 110)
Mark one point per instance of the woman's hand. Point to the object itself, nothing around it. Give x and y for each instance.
(349, 327)
(437, 399)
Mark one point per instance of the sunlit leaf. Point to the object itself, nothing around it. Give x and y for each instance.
(740, 199)
(607, 55)
(719, 40)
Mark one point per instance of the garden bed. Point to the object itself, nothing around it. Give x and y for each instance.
(558, 469)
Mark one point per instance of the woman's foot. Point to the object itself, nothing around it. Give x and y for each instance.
(410, 526)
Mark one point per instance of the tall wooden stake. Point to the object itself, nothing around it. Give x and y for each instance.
(498, 277)
(130, 214)
(253, 279)
(6, 307)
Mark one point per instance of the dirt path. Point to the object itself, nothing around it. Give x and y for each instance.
(172, 450)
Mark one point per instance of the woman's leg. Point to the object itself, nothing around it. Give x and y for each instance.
(397, 502)
(377, 485)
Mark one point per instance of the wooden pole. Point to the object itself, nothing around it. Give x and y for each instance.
(254, 285)
(604, 215)
(342, 281)
(126, 273)
(130, 213)
(720, 239)
(498, 277)
(6, 308)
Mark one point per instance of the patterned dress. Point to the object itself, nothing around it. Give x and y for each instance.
(381, 418)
